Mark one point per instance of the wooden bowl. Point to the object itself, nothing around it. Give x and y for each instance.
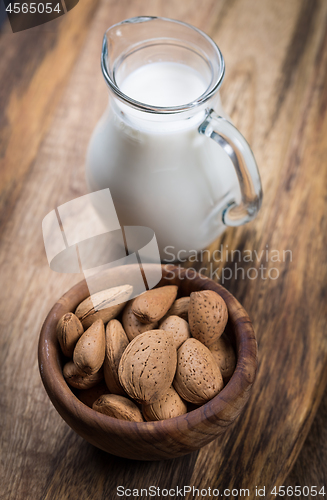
(166, 438)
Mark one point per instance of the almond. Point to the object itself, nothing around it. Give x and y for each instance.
(69, 330)
(152, 305)
(170, 405)
(104, 305)
(198, 378)
(179, 308)
(116, 343)
(78, 379)
(224, 354)
(90, 349)
(178, 327)
(133, 327)
(207, 316)
(147, 366)
(118, 407)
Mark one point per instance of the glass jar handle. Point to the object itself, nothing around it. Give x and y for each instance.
(234, 144)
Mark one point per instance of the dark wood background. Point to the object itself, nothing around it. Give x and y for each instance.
(51, 95)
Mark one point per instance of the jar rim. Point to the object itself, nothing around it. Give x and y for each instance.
(210, 91)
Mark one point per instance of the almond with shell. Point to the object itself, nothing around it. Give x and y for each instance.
(78, 379)
(147, 366)
(170, 405)
(105, 305)
(90, 349)
(152, 305)
(69, 330)
(224, 354)
(133, 327)
(198, 378)
(119, 407)
(179, 308)
(207, 316)
(178, 327)
(116, 343)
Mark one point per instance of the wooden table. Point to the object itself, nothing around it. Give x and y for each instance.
(52, 93)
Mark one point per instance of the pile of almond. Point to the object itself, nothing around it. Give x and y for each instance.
(149, 358)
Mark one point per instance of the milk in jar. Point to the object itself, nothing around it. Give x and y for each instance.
(160, 171)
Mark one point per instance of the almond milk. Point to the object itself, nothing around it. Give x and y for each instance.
(161, 172)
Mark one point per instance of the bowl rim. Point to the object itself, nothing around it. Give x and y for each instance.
(62, 397)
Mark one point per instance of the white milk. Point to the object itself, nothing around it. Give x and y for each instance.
(164, 84)
(161, 172)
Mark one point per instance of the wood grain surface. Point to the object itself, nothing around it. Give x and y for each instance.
(52, 93)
